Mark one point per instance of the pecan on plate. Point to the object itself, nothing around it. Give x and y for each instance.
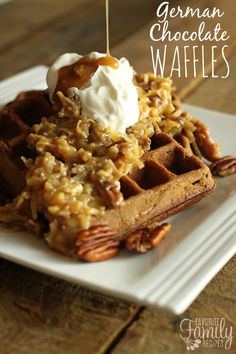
(98, 243)
(206, 145)
(225, 166)
(144, 240)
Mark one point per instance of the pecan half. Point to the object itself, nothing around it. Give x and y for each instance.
(98, 243)
(110, 192)
(206, 145)
(144, 240)
(224, 166)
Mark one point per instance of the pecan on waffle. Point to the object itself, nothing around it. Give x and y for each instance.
(15, 122)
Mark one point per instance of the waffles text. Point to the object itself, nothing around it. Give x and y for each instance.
(193, 46)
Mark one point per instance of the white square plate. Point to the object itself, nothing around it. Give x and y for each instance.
(202, 240)
(4, 1)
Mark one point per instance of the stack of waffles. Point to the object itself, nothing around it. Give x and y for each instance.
(172, 179)
(16, 120)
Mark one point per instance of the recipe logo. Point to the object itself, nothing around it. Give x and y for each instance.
(202, 40)
(207, 332)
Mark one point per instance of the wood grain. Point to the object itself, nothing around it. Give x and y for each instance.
(217, 94)
(81, 28)
(24, 18)
(41, 314)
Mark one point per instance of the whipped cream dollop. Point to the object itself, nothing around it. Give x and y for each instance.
(109, 96)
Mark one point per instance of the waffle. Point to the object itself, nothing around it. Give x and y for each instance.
(15, 121)
(170, 181)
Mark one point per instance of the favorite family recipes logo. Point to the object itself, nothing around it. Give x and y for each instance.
(187, 49)
(209, 332)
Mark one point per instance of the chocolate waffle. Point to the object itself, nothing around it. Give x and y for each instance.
(15, 121)
(170, 181)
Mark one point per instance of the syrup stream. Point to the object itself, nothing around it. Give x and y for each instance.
(107, 28)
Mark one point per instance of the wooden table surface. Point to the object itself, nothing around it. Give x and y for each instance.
(43, 315)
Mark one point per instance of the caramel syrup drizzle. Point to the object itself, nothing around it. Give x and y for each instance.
(107, 28)
(77, 74)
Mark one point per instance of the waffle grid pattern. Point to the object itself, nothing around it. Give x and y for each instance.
(162, 163)
(15, 121)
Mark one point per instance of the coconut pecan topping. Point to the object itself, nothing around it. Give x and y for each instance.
(224, 166)
(98, 243)
(144, 240)
(110, 192)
